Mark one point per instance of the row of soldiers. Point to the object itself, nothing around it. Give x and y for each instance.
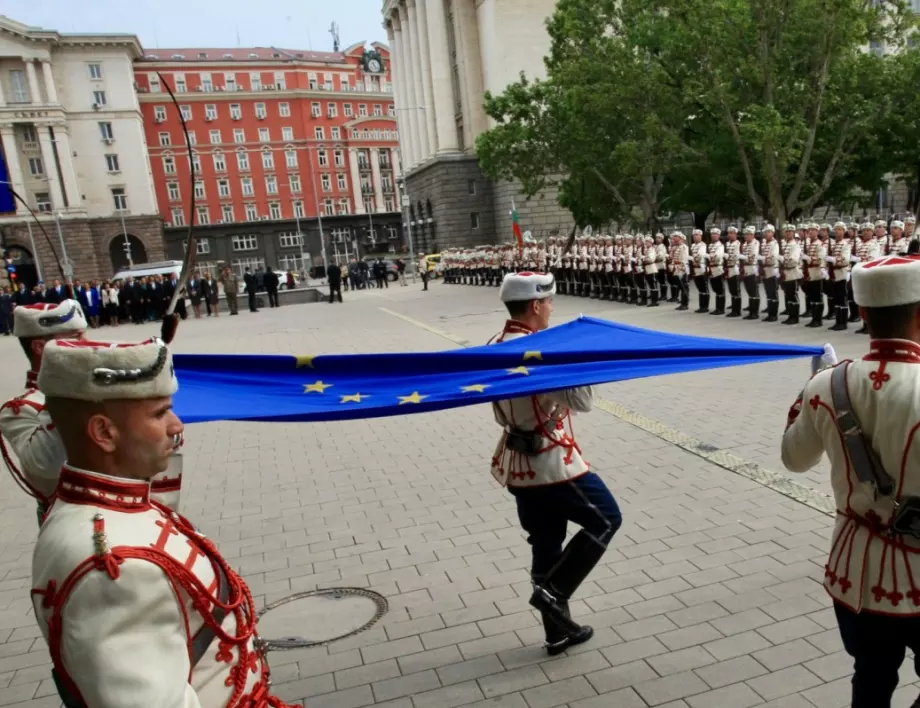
(811, 259)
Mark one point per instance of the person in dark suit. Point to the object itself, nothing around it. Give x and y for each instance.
(271, 281)
(380, 273)
(139, 303)
(169, 287)
(6, 311)
(334, 276)
(251, 288)
(195, 293)
(56, 293)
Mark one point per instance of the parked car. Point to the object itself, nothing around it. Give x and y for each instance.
(282, 280)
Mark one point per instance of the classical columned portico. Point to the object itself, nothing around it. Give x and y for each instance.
(431, 129)
(414, 80)
(398, 70)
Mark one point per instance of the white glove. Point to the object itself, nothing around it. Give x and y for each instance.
(824, 273)
(854, 259)
(831, 260)
(760, 259)
(742, 258)
(706, 256)
(633, 260)
(828, 358)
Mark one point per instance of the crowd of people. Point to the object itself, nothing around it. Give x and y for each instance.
(812, 261)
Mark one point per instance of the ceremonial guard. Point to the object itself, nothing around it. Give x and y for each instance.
(661, 262)
(631, 294)
(540, 462)
(733, 271)
(867, 249)
(593, 269)
(582, 287)
(609, 282)
(909, 221)
(816, 265)
(791, 274)
(699, 257)
(567, 283)
(650, 258)
(679, 263)
(897, 242)
(839, 274)
(619, 267)
(541, 259)
(138, 608)
(750, 265)
(507, 260)
(716, 270)
(827, 286)
(881, 235)
(863, 415)
(772, 267)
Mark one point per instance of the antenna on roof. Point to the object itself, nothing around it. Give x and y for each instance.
(334, 31)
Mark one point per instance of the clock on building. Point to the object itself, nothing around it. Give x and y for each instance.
(372, 62)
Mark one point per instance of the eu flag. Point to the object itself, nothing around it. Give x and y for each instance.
(339, 387)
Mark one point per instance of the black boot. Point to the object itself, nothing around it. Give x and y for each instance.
(560, 637)
(841, 324)
(863, 329)
(736, 307)
(793, 316)
(772, 309)
(817, 309)
(854, 312)
(720, 306)
(655, 296)
(753, 309)
(704, 304)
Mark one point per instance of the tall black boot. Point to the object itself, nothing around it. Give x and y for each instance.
(772, 309)
(736, 307)
(863, 330)
(561, 636)
(793, 313)
(643, 298)
(854, 312)
(753, 308)
(817, 310)
(841, 324)
(655, 294)
(720, 306)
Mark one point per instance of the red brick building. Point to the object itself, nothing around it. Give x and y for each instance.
(280, 137)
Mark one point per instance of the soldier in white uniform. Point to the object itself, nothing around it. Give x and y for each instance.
(897, 242)
(815, 260)
(679, 262)
(650, 266)
(698, 261)
(772, 266)
(716, 270)
(866, 249)
(540, 462)
(733, 271)
(863, 415)
(750, 265)
(662, 263)
(791, 273)
(138, 608)
(838, 270)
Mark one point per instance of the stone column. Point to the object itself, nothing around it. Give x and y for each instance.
(398, 69)
(355, 181)
(378, 184)
(466, 38)
(421, 17)
(441, 108)
(11, 152)
(34, 92)
(396, 162)
(2, 100)
(413, 83)
(44, 141)
(50, 89)
(65, 155)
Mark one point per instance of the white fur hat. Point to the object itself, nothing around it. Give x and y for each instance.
(886, 282)
(750, 230)
(714, 231)
(880, 222)
(521, 287)
(100, 371)
(45, 319)
(769, 227)
(897, 224)
(840, 225)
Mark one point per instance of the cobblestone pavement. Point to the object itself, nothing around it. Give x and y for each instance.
(709, 596)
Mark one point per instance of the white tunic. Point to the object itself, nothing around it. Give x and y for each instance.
(750, 254)
(866, 569)
(559, 459)
(791, 261)
(716, 258)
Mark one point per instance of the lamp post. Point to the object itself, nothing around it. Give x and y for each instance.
(124, 231)
(65, 261)
(319, 215)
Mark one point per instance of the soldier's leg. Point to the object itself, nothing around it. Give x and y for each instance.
(718, 287)
(854, 309)
(641, 292)
(654, 289)
(840, 306)
(817, 304)
(750, 287)
(735, 297)
(878, 651)
(770, 287)
(702, 292)
(684, 287)
(791, 296)
(663, 284)
(827, 291)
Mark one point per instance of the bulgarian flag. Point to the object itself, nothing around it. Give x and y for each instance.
(516, 227)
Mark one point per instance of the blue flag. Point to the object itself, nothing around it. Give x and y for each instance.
(348, 386)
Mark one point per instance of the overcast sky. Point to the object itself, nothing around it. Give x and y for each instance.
(292, 24)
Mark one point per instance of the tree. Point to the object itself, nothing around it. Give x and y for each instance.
(900, 144)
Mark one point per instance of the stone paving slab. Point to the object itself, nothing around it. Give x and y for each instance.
(709, 596)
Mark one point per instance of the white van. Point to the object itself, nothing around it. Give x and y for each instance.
(165, 268)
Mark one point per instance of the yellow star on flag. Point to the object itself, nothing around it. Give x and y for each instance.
(519, 370)
(354, 398)
(474, 388)
(318, 387)
(533, 355)
(305, 360)
(413, 398)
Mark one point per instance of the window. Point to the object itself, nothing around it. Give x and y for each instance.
(332, 109)
(342, 182)
(192, 138)
(369, 206)
(362, 110)
(392, 232)
(248, 242)
(311, 82)
(328, 207)
(346, 109)
(223, 188)
(95, 71)
(36, 168)
(214, 136)
(239, 135)
(111, 163)
(284, 109)
(299, 212)
(120, 198)
(344, 206)
(227, 212)
(242, 161)
(264, 135)
(159, 113)
(341, 235)
(99, 98)
(345, 82)
(164, 140)
(239, 265)
(202, 247)
(169, 165)
(271, 184)
(327, 84)
(391, 111)
(105, 129)
(43, 202)
(319, 133)
(363, 160)
(387, 182)
(172, 189)
(327, 182)
(220, 163)
(260, 111)
(230, 82)
(294, 181)
(248, 190)
(290, 158)
(378, 110)
(178, 216)
(389, 204)
(20, 87)
(236, 112)
(317, 112)
(322, 157)
(339, 158)
(384, 159)
(196, 162)
(199, 190)
(290, 239)
(474, 220)
(274, 210)
(204, 217)
(280, 83)
(252, 213)
(255, 81)
(180, 84)
(377, 134)
(186, 112)
(471, 186)
(210, 111)
(154, 83)
(268, 160)
(336, 133)
(206, 84)
(287, 133)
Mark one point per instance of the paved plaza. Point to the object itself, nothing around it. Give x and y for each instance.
(709, 597)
